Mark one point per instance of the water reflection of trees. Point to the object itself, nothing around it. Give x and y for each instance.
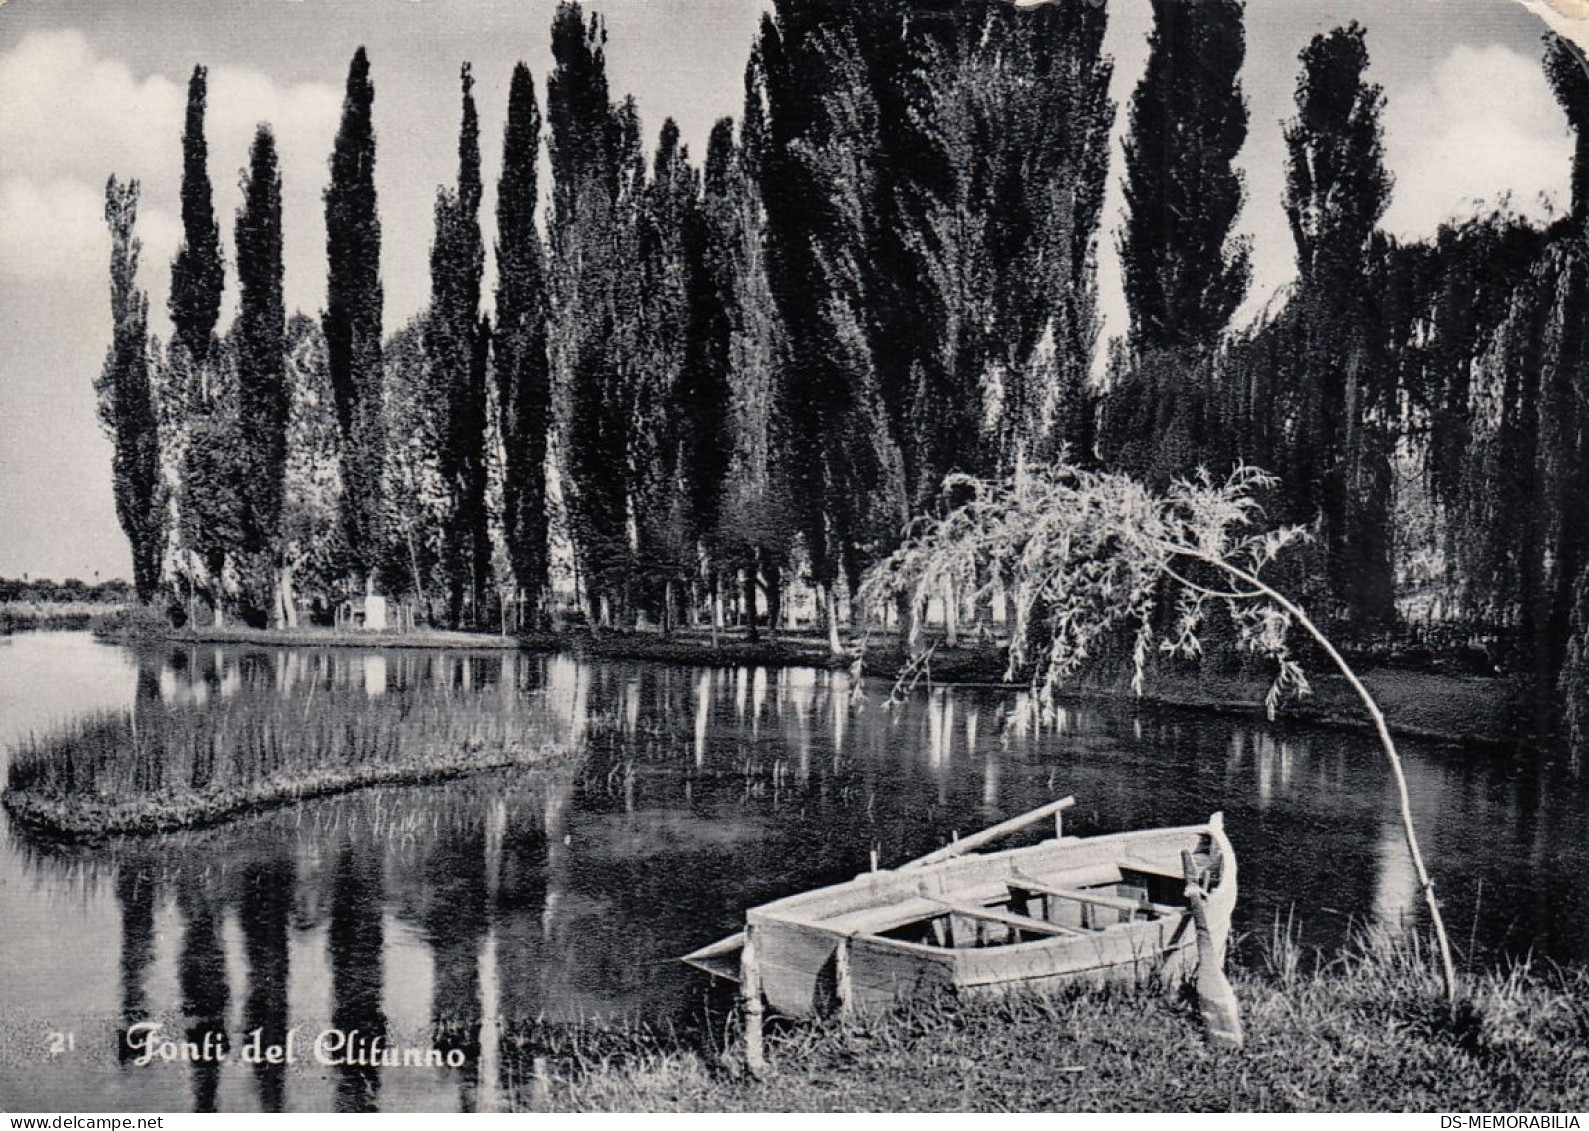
(201, 977)
(542, 896)
(358, 960)
(264, 908)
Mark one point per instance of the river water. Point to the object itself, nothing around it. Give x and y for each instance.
(461, 915)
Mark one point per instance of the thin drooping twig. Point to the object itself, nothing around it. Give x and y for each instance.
(1380, 726)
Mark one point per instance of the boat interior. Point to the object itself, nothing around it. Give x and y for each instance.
(1080, 904)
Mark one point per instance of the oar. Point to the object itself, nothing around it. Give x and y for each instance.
(1003, 828)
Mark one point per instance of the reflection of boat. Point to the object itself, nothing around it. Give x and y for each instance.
(1106, 908)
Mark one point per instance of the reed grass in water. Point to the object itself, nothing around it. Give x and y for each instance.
(164, 767)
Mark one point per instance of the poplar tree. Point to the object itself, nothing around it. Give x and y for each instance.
(126, 404)
(1337, 188)
(263, 396)
(522, 367)
(820, 181)
(741, 344)
(680, 392)
(1184, 274)
(1184, 271)
(352, 319)
(198, 274)
(453, 344)
(589, 148)
(999, 180)
(1567, 70)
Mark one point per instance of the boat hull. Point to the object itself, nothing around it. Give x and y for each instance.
(1066, 911)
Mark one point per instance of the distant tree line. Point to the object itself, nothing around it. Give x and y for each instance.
(42, 589)
(697, 383)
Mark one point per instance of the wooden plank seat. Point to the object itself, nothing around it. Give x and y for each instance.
(1010, 919)
(1070, 883)
(1019, 881)
(898, 911)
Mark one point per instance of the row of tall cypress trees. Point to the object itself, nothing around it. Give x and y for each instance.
(883, 272)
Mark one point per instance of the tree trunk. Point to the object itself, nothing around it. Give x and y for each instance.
(830, 603)
(774, 596)
(951, 615)
(909, 624)
(749, 581)
(286, 608)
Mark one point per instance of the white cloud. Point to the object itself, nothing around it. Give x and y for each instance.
(44, 236)
(70, 117)
(65, 111)
(1481, 126)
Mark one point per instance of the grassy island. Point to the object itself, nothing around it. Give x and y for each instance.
(195, 764)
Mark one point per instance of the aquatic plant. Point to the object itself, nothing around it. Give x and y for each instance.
(168, 766)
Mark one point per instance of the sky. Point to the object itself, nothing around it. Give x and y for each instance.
(94, 87)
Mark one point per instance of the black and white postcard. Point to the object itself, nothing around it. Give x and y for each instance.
(765, 555)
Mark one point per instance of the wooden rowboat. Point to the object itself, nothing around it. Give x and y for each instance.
(1120, 907)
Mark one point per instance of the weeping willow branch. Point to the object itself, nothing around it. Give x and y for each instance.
(1077, 555)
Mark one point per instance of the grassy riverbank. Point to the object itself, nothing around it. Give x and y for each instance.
(1369, 1032)
(1436, 705)
(341, 638)
(1432, 705)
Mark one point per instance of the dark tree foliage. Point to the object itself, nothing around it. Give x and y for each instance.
(1337, 186)
(678, 451)
(1184, 271)
(198, 274)
(726, 211)
(741, 331)
(126, 404)
(598, 197)
(263, 398)
(352, 319)
(1184, 275)
(210, 509)
(416, 497)
(523, 373)
(819, 182)
(741, 345)
(1339, 401)
(591, 145)
(1567, 69)
(998, 170)
(1568, 72)
(311, 526)
(456, 348)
